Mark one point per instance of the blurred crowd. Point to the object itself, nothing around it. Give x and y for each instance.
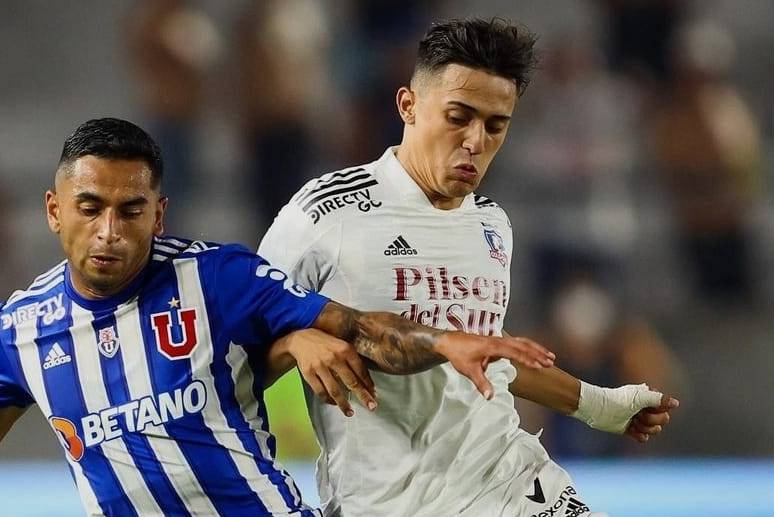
(634, 173)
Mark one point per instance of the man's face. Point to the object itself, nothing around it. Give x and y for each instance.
(456, 120)
(106, 214)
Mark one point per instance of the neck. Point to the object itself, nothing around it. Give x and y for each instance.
(421, 172)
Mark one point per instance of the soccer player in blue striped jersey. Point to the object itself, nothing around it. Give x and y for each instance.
(148, 355)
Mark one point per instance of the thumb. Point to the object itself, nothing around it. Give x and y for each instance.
(667, 404)
(646, 398)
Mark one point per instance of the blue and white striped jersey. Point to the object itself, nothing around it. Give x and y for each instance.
(156, 394)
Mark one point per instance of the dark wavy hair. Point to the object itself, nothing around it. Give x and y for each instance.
(496, 46)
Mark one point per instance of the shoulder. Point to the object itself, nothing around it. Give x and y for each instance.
(331, 196)
(490, 209)
(40, 287)
(167, 248)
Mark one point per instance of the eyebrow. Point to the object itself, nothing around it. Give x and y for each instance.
(468, 107)
(84, 197)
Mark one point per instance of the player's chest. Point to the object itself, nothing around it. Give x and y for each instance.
(441, 271)
(102, 361)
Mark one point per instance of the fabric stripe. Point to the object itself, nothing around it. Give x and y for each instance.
(330, 193)
(344, 181)
(48, 275)
(323, 181)
(171, 241)
(21, 295)
(115, 372)
(165, 248)
(191, 295)
(33, 373)
(244, 382)
(139, 384)
(95, 397)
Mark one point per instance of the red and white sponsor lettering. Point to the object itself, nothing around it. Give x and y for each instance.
(162, 327)
(435, 285)
(440, 285)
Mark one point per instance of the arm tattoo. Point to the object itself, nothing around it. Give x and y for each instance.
(390, 343)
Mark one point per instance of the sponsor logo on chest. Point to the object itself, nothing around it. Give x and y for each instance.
(132, 417)
(49, 310)
(441, 299)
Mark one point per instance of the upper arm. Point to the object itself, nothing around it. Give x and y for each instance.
(13, 399)
(305, 249)
(258, 302)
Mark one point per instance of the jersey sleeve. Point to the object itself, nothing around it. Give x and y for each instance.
(257, 302)
(11, 394)
(307, 250)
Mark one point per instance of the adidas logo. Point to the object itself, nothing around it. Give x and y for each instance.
(400, 247)
(575, 508)
(55, 357)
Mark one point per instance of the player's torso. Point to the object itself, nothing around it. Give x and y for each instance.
(157, 413)
(446, 269)
(112, 371)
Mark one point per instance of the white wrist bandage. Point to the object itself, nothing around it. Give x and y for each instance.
(611, 409)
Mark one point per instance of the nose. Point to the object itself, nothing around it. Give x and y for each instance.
(108, 229)
(474, 138)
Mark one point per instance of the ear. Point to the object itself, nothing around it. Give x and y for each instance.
(161, 208)
(52, 211)
(406, 102)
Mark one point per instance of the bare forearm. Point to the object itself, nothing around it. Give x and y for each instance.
(390, 343)
(550, 387)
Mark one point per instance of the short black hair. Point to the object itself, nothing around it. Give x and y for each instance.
(495, 45)
(114, 138)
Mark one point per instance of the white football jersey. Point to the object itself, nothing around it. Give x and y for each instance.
(369, 238)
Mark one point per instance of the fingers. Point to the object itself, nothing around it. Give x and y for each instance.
(357, 365)
(317, 387)
(523, 351)
(482, 383)
(640, 437)
(649, 417)
(334, 390)
(649, 422)
(538, 352)
(355, 385)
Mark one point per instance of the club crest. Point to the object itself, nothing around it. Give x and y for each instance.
(108, 342)
(496, 244)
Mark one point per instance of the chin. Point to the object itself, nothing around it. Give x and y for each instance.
(461, 189)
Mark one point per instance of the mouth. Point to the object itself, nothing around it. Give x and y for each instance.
(466, 171)
(104, 260)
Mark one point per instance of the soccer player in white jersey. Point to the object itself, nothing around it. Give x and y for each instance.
(148, 355)
(407, 234)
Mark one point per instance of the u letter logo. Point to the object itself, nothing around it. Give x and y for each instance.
(162, 326)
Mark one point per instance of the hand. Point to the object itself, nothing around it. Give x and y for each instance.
(650, 421)
(470, 355)
(634, 409)
(326, 363)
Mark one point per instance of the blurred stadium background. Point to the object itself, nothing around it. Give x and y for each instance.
(637, 175)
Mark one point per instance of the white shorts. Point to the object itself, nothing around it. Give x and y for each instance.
(544, 489)
(524, 483)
